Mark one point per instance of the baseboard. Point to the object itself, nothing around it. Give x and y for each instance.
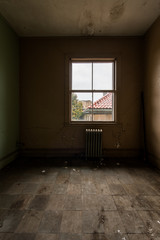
(52, 153)
(8, 159)
(123, 153)
(154, 160)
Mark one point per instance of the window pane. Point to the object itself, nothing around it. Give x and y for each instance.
(81, 107)
(103, 76)
(103, 107)
(81, 76)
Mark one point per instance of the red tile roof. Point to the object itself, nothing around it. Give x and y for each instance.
(104, 102)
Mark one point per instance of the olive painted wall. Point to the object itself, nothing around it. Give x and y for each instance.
(152, 92)
(9, 93)
(44, 107)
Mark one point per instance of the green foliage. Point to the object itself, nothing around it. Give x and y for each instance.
(77, 108)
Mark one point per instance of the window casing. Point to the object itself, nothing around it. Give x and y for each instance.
(92, 90)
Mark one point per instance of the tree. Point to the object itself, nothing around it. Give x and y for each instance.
(77, 108)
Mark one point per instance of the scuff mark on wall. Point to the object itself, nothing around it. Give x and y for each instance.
(86, 23)
(117, 133)
(117, 10)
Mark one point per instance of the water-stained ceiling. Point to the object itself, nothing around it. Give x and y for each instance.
(80, 17)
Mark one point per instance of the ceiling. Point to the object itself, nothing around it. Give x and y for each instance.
(80, 17)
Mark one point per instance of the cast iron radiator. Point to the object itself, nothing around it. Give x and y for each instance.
(93, 143)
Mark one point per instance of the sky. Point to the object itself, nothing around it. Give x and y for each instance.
(82, 78)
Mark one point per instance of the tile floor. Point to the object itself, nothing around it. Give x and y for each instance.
(116, 201)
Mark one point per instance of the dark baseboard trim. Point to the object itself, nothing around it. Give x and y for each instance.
(8, 158)
(54, 153)
(154, 160)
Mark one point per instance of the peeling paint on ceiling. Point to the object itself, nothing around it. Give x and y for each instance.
(117, 11)
(80, 17)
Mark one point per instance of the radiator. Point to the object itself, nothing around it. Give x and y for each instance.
(93, 143)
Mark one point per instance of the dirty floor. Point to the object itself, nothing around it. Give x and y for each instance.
(46, 202)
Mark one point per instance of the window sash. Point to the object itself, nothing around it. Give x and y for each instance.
(94, 60)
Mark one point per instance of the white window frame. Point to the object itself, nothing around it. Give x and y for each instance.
(114, 90)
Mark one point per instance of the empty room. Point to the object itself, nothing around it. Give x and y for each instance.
(79, 120)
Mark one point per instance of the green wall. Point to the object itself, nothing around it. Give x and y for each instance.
(9, 93)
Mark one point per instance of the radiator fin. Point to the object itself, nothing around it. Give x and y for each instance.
(93, 143)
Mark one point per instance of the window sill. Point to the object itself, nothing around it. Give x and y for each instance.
(98, 123)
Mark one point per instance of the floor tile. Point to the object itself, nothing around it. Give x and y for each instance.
(69, 236)
(56, 202)
(49, 177)
(139, 237)
(71, 222)
(103, 188)
(45, 188)
(102, 222)
(17, 188)
(152, 222)
(73, 202)
(51, 222)
(6, 200)
(132, 222)
(74, 189)
(139, 189)
(89, 188)
(117, 189)
(45, 236)
(30, 188)
(60, 188)
(101, 236)
(63, 177)
(23, 236)
(11, 220)
(21, 202)
(92, 222)
(96, 202)
(6, 236)
(29, 222)
(39, 202)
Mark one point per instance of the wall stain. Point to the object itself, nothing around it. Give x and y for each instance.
(86, 23)
(145, 3)
(117, 10)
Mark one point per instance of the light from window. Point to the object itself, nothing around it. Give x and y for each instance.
(92, 90)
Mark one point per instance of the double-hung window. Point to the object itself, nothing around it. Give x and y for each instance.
(92, 90)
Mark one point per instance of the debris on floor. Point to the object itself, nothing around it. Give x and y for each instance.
(75, 170)
(150, 230)
(158, 222)
(101, 162)
(65, 164)
(102, 219)
(43, 171)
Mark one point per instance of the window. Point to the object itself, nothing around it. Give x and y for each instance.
(92, 90)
